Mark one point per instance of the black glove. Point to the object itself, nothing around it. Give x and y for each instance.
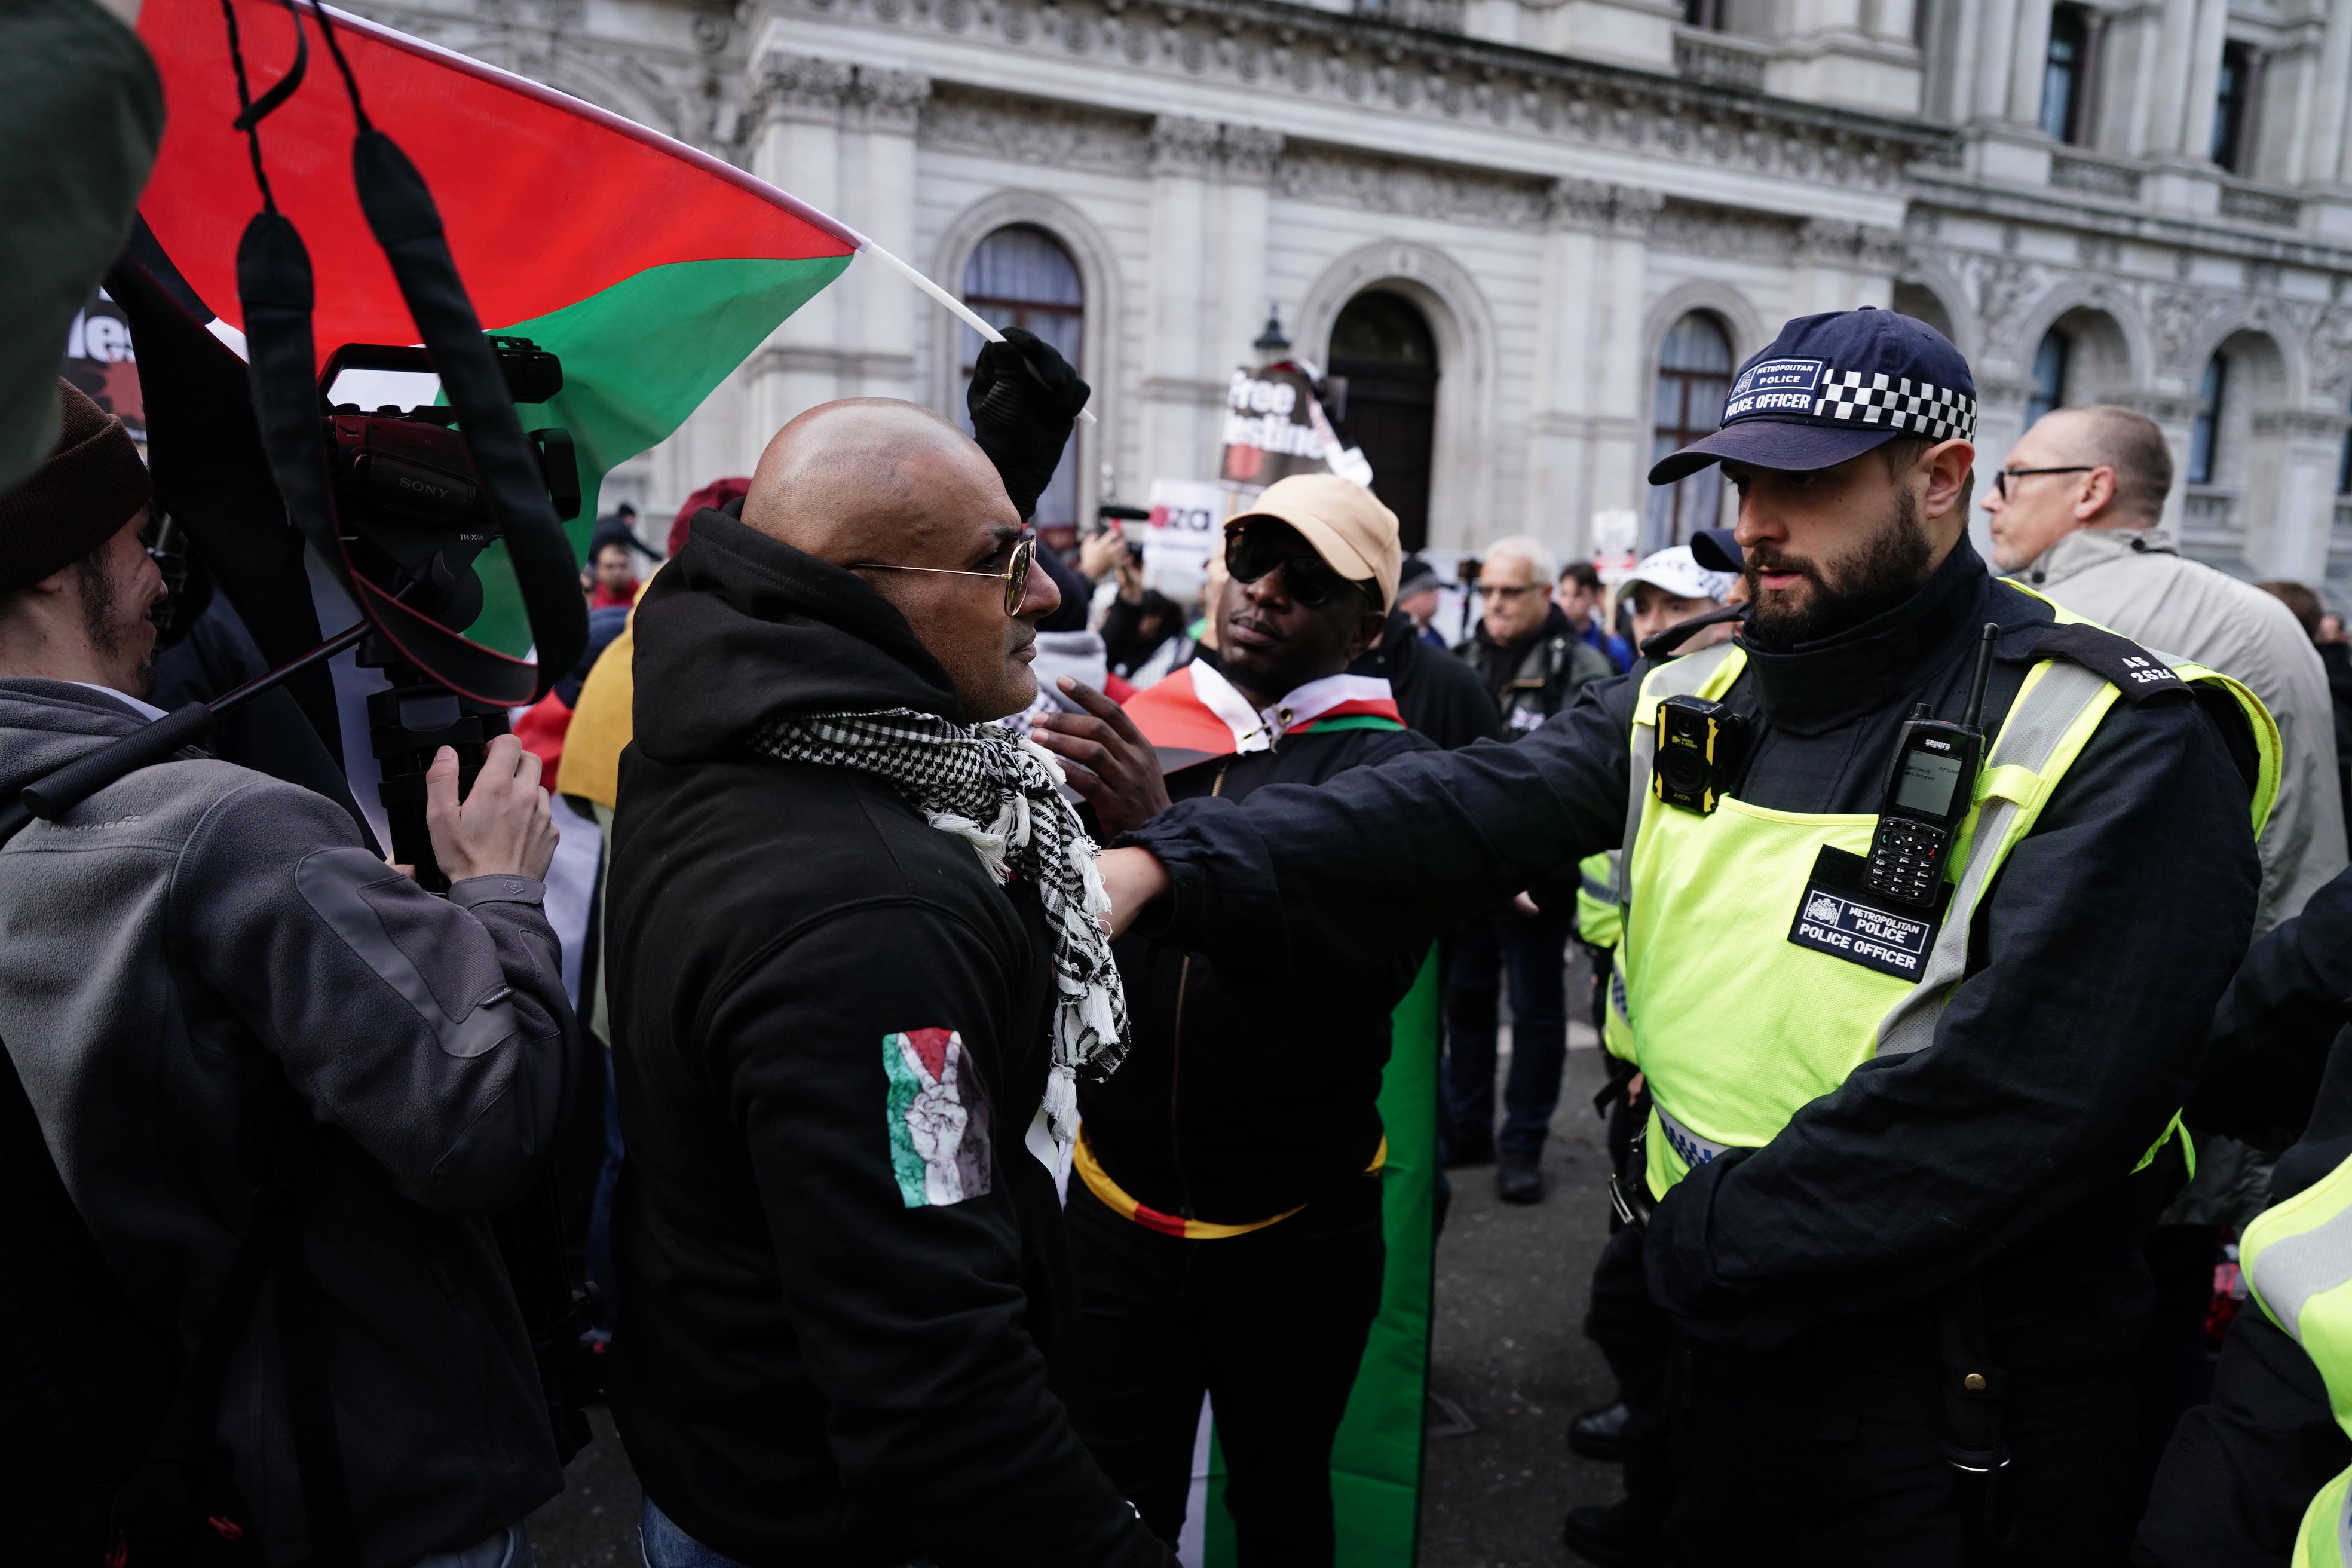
(1024, 397)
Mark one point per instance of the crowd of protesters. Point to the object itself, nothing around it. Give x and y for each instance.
(969, 1057)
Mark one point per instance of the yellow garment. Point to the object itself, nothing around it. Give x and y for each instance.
(1116, 1199)
(2298, 1261)
(1716, 902)
(605, 719)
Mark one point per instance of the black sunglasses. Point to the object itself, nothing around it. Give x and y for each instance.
(1253, 551)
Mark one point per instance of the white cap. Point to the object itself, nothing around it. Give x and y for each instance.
(1679, 573)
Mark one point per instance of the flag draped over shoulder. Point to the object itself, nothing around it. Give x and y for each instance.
(649, 269)
(1193, 716)
(1196, 713)
(1376, 1459)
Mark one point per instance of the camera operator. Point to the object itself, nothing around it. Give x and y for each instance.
(179, 952)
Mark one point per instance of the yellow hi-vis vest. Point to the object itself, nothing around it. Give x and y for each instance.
(1600, 922)
(2298, 1263)
(1597, 922)
(1738, 1026)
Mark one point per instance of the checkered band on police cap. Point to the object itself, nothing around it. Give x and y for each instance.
(1833, 386)
(1899, 403)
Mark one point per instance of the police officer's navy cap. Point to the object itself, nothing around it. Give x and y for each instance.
(1831, 387)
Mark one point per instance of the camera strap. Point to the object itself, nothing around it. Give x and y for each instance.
(277, 291)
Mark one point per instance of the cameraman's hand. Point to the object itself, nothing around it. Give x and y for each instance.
(502, 829)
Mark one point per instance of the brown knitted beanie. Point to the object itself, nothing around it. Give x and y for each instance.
(76, 500)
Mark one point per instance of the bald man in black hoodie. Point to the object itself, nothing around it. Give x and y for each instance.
(838, 1028)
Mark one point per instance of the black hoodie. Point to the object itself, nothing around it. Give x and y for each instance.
(819, 1359)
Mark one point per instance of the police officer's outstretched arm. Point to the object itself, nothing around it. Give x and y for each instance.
(2093, 965)
(435, 1031)
(1380, 859)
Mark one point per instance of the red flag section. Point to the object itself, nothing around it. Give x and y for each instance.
(547, 200)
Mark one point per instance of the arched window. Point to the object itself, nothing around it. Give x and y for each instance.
(2065, 71)
(1694, 375)
(2205, 430)
(1022, 277)
(2049, 375)
(1382, 349)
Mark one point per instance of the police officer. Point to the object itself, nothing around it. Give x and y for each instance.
(1902, 1158)
(2265, 1461)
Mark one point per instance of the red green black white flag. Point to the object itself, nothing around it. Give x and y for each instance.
(651, 269)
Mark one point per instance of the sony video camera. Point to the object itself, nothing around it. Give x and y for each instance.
(406, 491)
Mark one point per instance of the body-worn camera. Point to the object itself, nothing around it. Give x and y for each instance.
(406, 491)
(1700, 747)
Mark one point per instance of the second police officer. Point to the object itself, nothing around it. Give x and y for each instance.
(1916, 1012)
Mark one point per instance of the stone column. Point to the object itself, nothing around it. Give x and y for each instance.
(2028, 62)
(1996, 47)
(1951, 53)
(796, 111)
(2288, 506)
(2165, 81)
(1248, 157)
(1569, 369)
(1621, 448)
(2326, 163)
(881, 315)
(2196, 136)
(1183, 375)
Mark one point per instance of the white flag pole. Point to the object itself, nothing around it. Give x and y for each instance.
(970, 317)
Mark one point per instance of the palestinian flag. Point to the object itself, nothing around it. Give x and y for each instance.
(1196, 714)
(1376, 1459)
(1193, 715)
(650, 270)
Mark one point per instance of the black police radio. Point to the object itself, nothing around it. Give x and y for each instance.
(1930, 785)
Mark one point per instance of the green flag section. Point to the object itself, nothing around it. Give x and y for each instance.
(1376, 1459)
(650, 268)
(625, 389)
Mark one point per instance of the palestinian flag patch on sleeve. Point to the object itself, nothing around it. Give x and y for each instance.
(938, 1117)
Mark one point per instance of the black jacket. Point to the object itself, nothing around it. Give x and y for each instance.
(809, 1370)
(2336, 657)
(2241, 1470)
(1536, 677)
(2004, 1147)
(1249, 1091)
(1440, 696)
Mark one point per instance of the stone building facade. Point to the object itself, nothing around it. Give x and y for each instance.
(1535, 235)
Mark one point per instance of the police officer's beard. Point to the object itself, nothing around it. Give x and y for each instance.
(1881, 572)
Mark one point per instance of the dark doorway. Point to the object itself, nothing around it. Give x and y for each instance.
(1381, 344)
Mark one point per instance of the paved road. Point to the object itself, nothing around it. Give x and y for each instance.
(1507, 1353)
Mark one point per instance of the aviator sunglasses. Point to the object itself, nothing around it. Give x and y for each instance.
(1015, 575)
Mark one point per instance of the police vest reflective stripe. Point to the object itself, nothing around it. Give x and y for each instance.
(1737, 1023)
(2298, 1262)
(1596, 899)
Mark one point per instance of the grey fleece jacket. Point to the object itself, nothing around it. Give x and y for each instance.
(191, 931)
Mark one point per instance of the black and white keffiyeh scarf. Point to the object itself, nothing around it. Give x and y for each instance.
(996, 791)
